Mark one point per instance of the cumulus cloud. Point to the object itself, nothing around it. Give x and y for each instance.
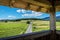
(10, 16)
(21, 10)
(25, 15)
(33, 11)
(33, 14)
(18, 10)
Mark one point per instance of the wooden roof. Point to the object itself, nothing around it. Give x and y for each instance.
(36, 5)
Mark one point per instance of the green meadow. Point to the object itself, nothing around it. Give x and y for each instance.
(12, 28)
(40, 25)
(16, 28)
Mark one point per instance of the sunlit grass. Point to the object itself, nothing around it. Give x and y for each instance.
(17, 28)
(43, 25)
(40, 25)
(58, 25)
(12, 28)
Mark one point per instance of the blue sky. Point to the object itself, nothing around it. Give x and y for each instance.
(16, 13)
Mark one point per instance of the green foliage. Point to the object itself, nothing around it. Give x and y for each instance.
(28, 22)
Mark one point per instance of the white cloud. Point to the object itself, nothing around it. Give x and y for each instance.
(33, 11)
(10, 16)
(38, 13)
(33, 14)
(25, 15)
(18, 10)
(21, 10)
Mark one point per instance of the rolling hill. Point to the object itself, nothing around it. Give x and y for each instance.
(48, 18)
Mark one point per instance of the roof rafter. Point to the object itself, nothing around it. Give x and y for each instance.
(36, 5)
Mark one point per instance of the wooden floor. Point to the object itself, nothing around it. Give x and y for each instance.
(43, 35)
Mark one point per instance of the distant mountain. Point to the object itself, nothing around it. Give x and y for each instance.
(48, 18)
(29, 19)
(58, 18)
(20, 19)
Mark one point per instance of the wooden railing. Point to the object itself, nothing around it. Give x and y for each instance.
(58, 35)
(43, 35)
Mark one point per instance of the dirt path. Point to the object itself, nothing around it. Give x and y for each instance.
(29, 29)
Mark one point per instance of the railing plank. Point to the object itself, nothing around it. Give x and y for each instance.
(29, 36)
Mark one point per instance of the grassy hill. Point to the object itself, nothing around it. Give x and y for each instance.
(16, 28)
(12, 28)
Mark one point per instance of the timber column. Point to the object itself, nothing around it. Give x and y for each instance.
(53, 25)
(52, 11)
(53, 21)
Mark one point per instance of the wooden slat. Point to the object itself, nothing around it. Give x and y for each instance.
(34, 7)
(37, 3)
(57, 8)
(44, 10)
(20, 4)
(4, 2)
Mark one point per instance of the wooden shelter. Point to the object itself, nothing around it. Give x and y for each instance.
(48, 6)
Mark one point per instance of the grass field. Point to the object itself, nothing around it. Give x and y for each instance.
(58, 25)
(40, 25)
(12, 28)
(43, 25)
(17, 28)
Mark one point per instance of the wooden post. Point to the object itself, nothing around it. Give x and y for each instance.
(52, 11)
(53, 25)
(52, 21)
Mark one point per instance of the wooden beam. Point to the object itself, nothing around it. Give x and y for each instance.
(57, 2)
(57, 8)
(4, 2)
(53, 16)
(45, 10)
(34, 7)
(37, 3)
(11, 3)
(53, 25)
(20, 4)
(52, 21)
(33, 4)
